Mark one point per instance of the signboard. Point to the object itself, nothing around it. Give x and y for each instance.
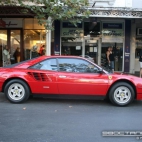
(112, 26)
(12, 23)
(72, 32)
(70, 25)
(112, 32)
(78, 47)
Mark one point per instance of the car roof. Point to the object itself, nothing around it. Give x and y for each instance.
(27, 63)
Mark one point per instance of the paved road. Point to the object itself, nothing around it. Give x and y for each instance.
(50, 120)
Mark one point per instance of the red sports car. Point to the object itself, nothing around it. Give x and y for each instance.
(67, 77)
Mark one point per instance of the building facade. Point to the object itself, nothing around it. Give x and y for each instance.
(115, 23)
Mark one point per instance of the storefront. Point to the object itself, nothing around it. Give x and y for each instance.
(25, 33)
(93, 39)
(90, 38)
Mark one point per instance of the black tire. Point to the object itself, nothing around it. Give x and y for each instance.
(121, 94)
(16, 91)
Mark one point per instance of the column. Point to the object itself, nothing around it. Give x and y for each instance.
(127, 46)
(48, 40)
(133, 47)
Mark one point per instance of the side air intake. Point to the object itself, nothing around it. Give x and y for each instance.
(39, 76)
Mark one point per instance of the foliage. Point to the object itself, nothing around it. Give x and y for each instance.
(46, 11)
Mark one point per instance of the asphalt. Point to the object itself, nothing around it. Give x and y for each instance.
(54, 120)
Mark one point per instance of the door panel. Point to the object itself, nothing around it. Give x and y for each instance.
(80, 77)
(82, 84)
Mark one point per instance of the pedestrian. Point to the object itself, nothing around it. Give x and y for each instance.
(110, 58)
(140, 60)
(6, 56)
(17, 54)
(42, 50)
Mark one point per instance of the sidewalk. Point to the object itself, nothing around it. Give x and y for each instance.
(135, 74)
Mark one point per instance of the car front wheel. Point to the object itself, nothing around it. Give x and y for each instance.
(121, 94)
(17, 91)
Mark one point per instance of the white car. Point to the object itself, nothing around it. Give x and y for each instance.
(87, 57)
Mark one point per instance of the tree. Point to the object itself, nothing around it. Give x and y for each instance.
(46, 11)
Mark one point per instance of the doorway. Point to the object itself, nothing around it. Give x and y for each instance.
(118, 54)
(12, 38)
(91, 49)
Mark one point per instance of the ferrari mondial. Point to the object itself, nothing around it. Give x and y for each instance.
(67, 77)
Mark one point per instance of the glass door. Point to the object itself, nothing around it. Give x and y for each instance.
(118, 54)
(91, 49)
(15, 43)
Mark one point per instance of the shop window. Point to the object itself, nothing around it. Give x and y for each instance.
(33, 40)
(34, 36)
(31, 23)
(71, 46)
(37, 26)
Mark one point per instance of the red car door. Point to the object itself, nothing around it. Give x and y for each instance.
(82, 84)
(73, 78)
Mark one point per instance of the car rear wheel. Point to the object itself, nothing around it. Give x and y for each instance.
(121, 94)
(17, 91)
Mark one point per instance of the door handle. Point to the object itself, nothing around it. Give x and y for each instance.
(62, 76)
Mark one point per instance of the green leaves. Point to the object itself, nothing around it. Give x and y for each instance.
(73, 11)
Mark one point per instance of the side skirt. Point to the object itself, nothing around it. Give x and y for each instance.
(82, 97)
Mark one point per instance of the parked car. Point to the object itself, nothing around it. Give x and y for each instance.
(67, 77)
(87, 57)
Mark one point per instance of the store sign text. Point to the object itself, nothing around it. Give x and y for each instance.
(72, 32)
(112, 33)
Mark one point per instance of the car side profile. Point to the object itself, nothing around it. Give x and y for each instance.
(67, 77)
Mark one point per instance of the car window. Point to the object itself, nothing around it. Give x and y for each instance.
(77, 65)
(49, 64)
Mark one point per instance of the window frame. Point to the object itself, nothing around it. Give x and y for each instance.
(82, 60)
(31, 67)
